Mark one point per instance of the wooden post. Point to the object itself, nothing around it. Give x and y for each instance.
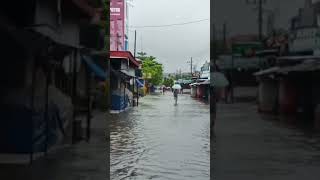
(109, 82)
(135, 43)
(47, 69)
(124, 91)
(232, 79)
(137, 95)
(74, 92)
(34, 68)
(88, 88)
(133, 87)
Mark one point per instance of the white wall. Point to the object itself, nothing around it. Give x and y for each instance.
(306, 39)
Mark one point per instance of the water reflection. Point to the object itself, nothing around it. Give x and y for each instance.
(158, 140)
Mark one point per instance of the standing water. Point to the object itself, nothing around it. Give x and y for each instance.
(160, 140)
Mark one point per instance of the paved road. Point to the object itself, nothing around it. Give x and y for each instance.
(159, 140)
(251, 146)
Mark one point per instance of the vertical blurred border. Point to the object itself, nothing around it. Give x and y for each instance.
(212, 94)
(106, 12)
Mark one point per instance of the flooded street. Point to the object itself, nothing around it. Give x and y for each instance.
(251, 146)
(159, 140)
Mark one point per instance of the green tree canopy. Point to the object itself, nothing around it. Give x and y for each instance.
(168, 82)
(152, 68)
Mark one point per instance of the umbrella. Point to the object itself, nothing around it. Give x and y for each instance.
(219, 80)
(176, 86)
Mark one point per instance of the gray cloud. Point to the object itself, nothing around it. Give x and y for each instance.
(242, 18)
(173, 46)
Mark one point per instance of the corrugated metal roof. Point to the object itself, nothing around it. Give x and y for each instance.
(303, 67)
(267, 71)
(312, 65)
(124, 55)
(298, 57)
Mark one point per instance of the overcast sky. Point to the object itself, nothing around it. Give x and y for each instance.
(241, 18)
(174, 46)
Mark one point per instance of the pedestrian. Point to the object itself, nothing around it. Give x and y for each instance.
(175, 94)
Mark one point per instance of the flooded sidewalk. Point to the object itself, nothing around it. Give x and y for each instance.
(159, 140)
(251, 146)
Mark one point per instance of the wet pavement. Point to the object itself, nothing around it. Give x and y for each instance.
(250, 146)
(82, 161)
(159, 140)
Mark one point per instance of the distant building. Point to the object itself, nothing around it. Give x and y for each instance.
(205, 71)
(304, 31)
(119, 28)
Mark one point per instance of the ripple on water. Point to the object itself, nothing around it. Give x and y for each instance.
(160, 141)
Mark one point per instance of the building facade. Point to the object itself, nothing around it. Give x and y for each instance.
(305, 31)
(44, 44)
(119, 25)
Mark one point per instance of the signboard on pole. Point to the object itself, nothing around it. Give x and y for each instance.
(117, 35)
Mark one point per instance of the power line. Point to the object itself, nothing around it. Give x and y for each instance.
(167, 25)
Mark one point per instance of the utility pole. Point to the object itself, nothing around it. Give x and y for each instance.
(191, 67)
(141, 44)
(260, 19)
(214, 47)
(260, 15)
(135, 43)
(224, 37)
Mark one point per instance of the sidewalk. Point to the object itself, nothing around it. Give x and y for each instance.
(83, 161)
(251, 146)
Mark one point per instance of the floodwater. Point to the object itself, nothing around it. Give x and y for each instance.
(160, 140)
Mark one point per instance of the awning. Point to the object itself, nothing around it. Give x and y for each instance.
(207, 82)
(298, 58)
(124, 55)
(267, 52)
(312, 65)
(267, 71)
(127, 73)
(98, 71)
(303, 67)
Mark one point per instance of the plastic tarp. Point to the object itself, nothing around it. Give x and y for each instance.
(99, 72)
(139, 83)
(219, 79)
(24, 129)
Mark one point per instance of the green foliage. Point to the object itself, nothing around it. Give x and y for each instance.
(150, 67)
(168, 82)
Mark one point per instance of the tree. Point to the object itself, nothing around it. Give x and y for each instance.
(152, 68)
(168, 82)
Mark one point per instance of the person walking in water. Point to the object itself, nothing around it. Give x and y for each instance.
(175, 94)
(163, 89)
